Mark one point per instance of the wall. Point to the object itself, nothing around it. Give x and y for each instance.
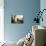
(13, 32)
(43, 6)
(1, 20)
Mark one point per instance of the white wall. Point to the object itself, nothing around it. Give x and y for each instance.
(1, 20)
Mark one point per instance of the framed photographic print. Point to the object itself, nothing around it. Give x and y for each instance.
(17, 19)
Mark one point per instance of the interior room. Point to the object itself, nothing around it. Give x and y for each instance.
(23, 23)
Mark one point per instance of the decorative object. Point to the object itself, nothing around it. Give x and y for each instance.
(39, 16)
(17, 19)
